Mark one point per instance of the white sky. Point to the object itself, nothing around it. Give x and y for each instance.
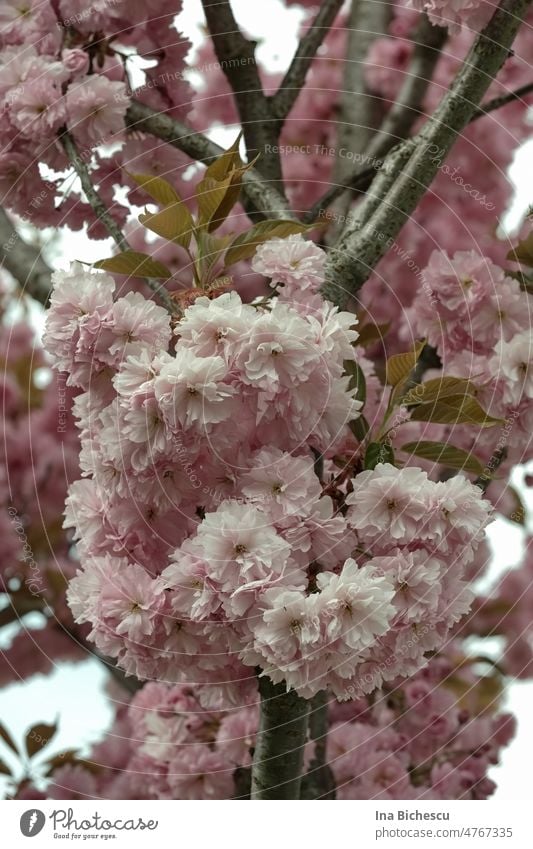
(74, 692)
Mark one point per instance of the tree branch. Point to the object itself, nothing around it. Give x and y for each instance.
(399, 120)
(24, 262)
(359, 108)
(503, 100)
(279, 750)
(284, 99)
(236, 55)
(260, 193)
(352, 260)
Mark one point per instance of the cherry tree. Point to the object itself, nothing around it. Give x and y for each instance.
(300, 387)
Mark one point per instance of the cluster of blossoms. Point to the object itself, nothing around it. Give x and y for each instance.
(478, 319)
(208, 548)
(431, 737)
(69, 65)
(455, 14)
(39, 457)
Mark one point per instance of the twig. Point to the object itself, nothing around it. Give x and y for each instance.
(358, 251)
(284, 99)
(262, 194)
(503, 100)
(96, 202)
(100, 210)
(24, 262)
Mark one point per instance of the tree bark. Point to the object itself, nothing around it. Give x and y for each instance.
(279, 751)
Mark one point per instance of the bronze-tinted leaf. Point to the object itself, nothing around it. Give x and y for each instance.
(244, 245)
(454, 409)
(8, 739)
(446, 455)
(210, 195)
(370, 333)
(4, 769)
(159, 189)
(439, 387)
(523, 252)
(519, 511)
(134, 264)
(228, 161)
(38, 737)
(174, 223)
(400, 366)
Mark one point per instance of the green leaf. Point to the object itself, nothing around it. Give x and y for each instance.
(38, 737)
(244, 245)
(357, 379)
(523, 252)
(4, 769)
(370, 333)
(439, 387)
(134, 264)
(455, 409)
(378, 452)
(446, 455)
(359, 427)
(400, 366)
(174, 223)
(160, 190)
(8, 739)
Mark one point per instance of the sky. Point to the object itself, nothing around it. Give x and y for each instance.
(74, 693)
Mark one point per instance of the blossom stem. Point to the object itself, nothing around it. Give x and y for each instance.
(279, 752)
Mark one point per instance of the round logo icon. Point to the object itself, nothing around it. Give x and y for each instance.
(32, 822)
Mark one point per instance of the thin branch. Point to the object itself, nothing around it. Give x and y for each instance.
(284, 99)
(503, 100)
(358, 251)
(399, 120)
(24, 262)
(98, 206)
(236, 55)
(261, 194)
(101, 212)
